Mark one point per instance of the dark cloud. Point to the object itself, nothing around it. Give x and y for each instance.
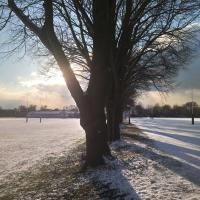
(189, 78)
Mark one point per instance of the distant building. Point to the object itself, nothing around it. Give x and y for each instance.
(53, 114)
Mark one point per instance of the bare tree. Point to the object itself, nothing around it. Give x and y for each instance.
(158, 45)
(64, 35)
(108, 39)
(156, 69)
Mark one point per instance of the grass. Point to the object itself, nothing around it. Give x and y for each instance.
(60, 177)
(56, 178)
(132, 132)
(63, 178)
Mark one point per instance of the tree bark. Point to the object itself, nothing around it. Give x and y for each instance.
(96, 142)
(93, 120)
(114, 117)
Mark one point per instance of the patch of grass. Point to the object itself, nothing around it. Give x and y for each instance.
(133, 132)
(158, 167)
(55, 178)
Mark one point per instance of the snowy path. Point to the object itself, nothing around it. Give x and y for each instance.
(177, 137)
(23, 144)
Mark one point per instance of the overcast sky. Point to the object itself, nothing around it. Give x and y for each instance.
(187, 81)
(22, 83)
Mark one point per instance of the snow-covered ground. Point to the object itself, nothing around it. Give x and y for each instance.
(162, 163)
(175, 136)
(163, 167)
(23, 144)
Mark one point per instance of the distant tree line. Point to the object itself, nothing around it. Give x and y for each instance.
(22, 110)
(184, 110)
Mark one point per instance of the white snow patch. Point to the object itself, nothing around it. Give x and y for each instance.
(23, 144)
(176, 137)
(145, 172)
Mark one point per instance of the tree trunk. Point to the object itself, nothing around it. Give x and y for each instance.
(116, 121)
(109, 115)
(114, 118)
(93, 118)
(93, 121)
(96, 143)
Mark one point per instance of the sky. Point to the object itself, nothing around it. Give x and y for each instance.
(21, 83)
(187, 86)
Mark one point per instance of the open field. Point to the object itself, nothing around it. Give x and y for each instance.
(177, 137)
(23, 144)
(158, 160)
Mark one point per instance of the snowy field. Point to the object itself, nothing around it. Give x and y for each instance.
(165, 166)
(23, 144)
(175, 136)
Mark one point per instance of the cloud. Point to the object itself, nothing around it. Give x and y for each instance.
(54, 95)
(38, 90)
(52, 91)
(176, 97)
(10, 103)
(189, 78)
(36, 78)
(10, 97)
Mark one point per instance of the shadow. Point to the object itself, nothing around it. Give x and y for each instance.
(196, 132)
(183, 126)
(110, 182)
(189, 155)
(183, 169)
(187, 139)
(178, 128)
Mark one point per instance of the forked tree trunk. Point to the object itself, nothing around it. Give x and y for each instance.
(93, 120)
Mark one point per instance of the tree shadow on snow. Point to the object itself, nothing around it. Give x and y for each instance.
(185, 170)
(189, 155)
(183, 138)
(110, 183)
